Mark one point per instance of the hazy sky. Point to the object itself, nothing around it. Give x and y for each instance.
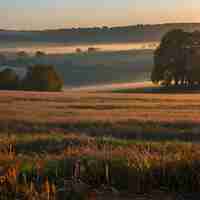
(41, 14)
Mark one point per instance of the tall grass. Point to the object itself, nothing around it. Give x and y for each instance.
(132, 166)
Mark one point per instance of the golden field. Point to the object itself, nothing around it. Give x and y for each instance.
(90, 106)
(109, 143)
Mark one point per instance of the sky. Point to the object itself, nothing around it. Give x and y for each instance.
(50, 14)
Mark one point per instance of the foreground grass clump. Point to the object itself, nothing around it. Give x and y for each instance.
(79, 164)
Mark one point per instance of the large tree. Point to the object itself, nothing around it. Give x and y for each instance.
(170, 57)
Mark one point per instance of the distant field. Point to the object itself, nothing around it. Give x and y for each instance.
(63, 48)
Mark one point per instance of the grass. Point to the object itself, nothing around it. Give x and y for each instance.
(101, 113)
(133, 166)
(74, 106)
(130, 143)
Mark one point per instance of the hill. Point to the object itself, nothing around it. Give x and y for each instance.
(136, 33)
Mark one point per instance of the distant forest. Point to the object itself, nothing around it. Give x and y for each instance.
(135, 33)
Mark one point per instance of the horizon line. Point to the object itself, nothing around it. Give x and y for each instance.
(98, 27)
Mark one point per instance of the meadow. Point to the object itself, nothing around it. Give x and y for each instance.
(84, 144)
(86, 69)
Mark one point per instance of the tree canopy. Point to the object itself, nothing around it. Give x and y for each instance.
(177, 59)
(43, 78)
(38, 78)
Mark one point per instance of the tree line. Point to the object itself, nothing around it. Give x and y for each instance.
(177, 59)
(37, 78)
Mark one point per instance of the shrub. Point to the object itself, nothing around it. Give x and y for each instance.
(2, 59)
(40, 54)
(38, 78)
(42, 78)
(9, 80)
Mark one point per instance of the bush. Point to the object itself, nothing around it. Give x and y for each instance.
(2, 59)
(40, 54)
(9, 80)
(42, 78)
(38, 78)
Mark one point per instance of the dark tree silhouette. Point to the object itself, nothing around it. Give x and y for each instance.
(170, 56)
(177, 59)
